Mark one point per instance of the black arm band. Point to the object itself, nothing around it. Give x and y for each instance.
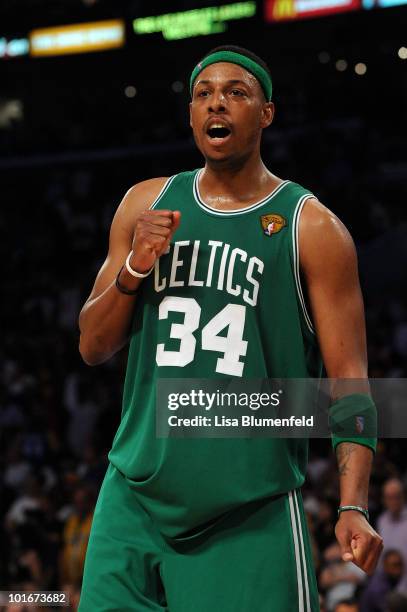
(123, 289)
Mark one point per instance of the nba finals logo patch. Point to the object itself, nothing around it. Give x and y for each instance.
(360, 424)
(272, 224)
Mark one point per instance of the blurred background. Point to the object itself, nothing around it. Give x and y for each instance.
(94, 98)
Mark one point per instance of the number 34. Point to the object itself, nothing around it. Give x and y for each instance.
(232, 345)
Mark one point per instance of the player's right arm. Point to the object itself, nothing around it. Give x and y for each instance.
(105, 319)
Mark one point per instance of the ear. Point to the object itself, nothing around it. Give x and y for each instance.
(190, 114)
(267, 114)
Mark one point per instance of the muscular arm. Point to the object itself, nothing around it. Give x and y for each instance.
(105, 318)
(329, 266)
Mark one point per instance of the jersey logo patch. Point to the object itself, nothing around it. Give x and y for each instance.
(360, 424)
(272, 224)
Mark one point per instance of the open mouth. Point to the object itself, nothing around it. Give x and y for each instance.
(218, 132)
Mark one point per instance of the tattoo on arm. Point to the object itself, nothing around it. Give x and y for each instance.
(344, 452)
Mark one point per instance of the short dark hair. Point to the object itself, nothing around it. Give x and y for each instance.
(242, 51)
(391, 551)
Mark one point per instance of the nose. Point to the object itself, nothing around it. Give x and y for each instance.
(217, 103)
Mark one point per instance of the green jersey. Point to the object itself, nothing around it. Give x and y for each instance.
(225, 301)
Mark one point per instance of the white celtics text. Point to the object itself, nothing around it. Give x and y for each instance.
(220, 272)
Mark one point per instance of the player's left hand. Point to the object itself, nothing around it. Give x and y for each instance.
(358, 540)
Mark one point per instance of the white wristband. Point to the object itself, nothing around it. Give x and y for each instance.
(133, 272)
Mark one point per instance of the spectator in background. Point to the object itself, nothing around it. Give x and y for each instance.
(339, 579)
(17, 468)
(29, 501)
(73, 594)
(76, 536)
(392, 523)
(84, 413)
(325, 523)
(383, 582)
(396, 602)
(92, 466)
(322, 607)
(347, 605)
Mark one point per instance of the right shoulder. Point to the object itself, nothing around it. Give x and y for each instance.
(136, 200)
(142, 195)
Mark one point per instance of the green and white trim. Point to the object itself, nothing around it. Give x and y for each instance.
(235, 212)
(163, 190)
(296, 258)
(304, 601)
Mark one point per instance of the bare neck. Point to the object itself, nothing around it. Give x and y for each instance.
(225, 187)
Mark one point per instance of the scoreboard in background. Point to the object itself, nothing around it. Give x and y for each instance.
(369, 4)
(283, 10)
(77, 38)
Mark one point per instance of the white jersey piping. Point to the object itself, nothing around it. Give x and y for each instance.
(162, 191)
(304, 561)
(296, 218)
(235, 211)
(296, 553)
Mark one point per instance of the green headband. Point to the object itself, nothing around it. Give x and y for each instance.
(241, 60)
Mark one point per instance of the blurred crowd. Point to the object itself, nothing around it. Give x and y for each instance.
(58, 417)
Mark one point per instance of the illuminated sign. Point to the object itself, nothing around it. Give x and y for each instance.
(283, 10)
(77, 38)
(14, 47)
(198, 22)
(369, 4)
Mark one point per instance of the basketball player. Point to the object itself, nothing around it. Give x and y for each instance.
(227, 271)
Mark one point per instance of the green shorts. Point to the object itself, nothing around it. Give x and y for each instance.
(255, 558)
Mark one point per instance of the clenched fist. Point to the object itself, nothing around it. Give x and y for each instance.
(359, 542)
(152, 235)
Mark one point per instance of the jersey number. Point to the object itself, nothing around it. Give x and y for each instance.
(232, 345)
